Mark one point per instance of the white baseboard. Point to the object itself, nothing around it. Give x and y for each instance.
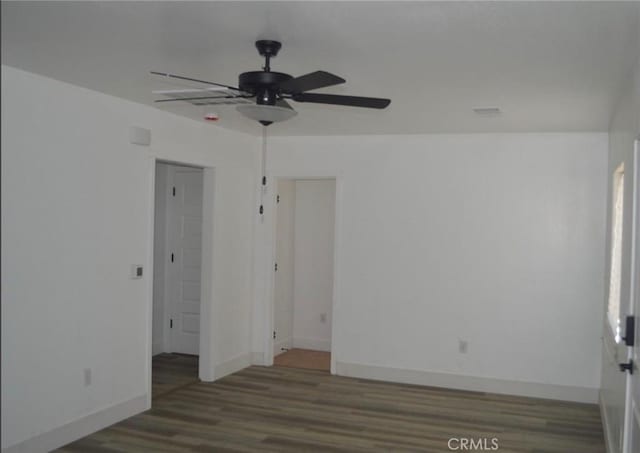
(231, 366)
(605, 425)
(314, 344)
(257, 358)
(82, 427)
(473, 383)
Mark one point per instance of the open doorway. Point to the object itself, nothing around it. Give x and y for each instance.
(303, 284)
(177, 276)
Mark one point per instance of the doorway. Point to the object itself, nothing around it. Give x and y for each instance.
(177, 276)
(304, 273)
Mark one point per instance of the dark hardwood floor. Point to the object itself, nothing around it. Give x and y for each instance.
(281, 409)
(172, 371)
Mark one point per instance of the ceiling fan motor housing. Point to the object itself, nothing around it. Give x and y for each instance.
(265, 85)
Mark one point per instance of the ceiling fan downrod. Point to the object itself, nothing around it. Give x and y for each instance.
(268, 49)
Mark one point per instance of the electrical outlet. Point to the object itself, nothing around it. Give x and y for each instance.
(87, 377)
(463, 346)
(323, 317)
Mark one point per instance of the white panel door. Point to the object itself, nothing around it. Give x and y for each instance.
(632, 425)
(185, 244)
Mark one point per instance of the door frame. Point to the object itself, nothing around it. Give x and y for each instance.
(206, 362)
(634, 293)
(273, 177)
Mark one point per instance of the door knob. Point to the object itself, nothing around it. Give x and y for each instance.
(626, 367)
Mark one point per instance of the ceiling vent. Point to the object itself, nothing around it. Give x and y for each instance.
(487, 111)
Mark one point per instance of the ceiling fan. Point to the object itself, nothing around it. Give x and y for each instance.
(263, 95)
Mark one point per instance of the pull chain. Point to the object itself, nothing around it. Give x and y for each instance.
(263, 188)
(264, 159)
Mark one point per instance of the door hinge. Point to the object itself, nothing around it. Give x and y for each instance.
(274, 334)
(172, 257)
(278, 199)
(174, 191)
(171, 324)
(261, 210)
(276, 267)
(626, 367)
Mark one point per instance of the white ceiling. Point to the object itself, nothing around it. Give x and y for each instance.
(549, 66)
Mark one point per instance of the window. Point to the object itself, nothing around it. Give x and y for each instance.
(613, 305)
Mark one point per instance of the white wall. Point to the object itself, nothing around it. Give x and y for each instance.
(494, 239)
(77, 203)
(624, 129)
(283, 293)
(159, 257)
(313, 245)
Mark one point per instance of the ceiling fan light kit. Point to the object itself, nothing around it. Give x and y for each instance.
(266, 114)
(269, 89)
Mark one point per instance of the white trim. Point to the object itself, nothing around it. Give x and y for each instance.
(167, 277)
(635, 201)
(314, 344)
(257, 358)
(605, 424)
(81, 427)
(472, 383)
(206, 351)
(337, 259)
(231, 366)
(151, 223)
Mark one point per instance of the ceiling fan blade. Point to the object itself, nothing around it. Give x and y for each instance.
(196, 98)
(352, 101)
(311, 81)
(173, 76)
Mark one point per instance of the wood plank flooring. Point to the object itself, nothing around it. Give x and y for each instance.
(304, 358)
(278, 409)
(172, 371)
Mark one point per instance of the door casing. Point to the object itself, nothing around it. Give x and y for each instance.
(631, 443)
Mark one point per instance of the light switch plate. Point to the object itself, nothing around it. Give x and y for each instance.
(137, 271)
